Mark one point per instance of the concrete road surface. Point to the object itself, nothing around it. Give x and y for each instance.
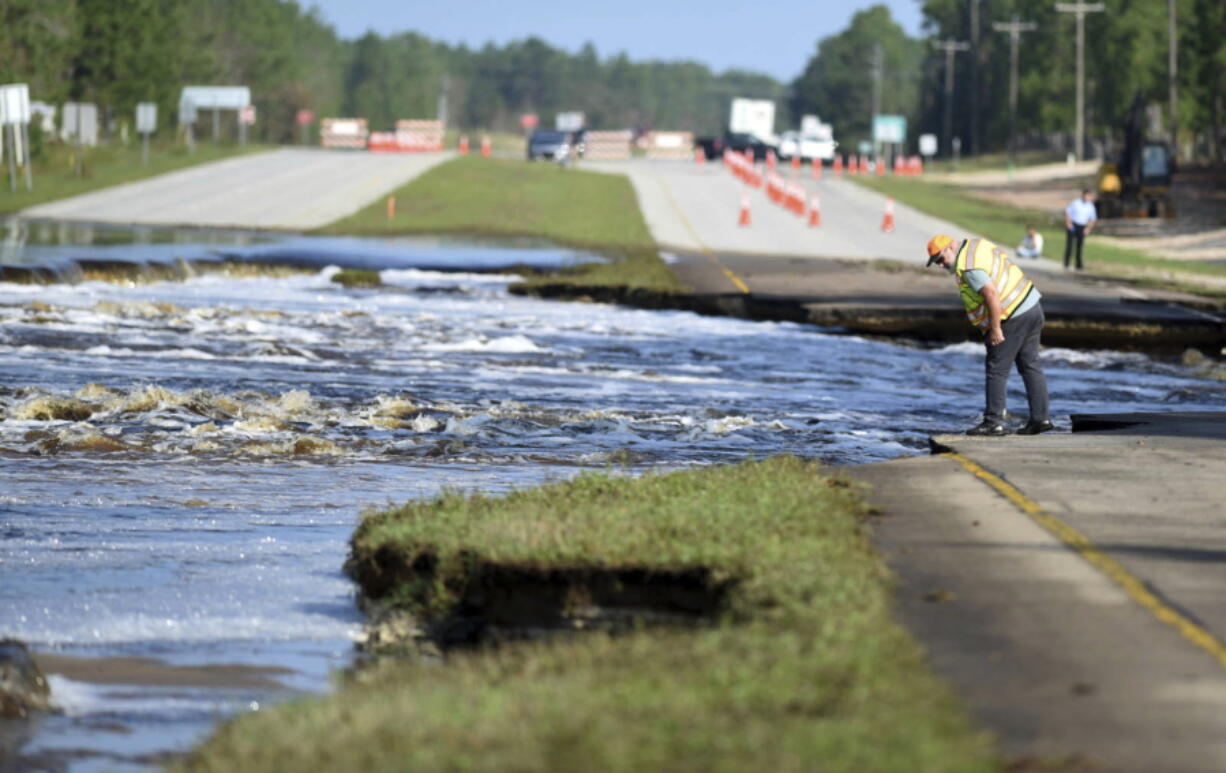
(1105, 654)
(695, 208)
(294, 189)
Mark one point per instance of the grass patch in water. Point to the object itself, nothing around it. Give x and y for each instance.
(801, 668)
(357, 277)
(511, 198)
(1006, 224)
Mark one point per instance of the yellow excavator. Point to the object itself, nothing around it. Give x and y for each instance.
(1138, 182)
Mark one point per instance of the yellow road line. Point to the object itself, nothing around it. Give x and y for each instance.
(732, 277)
(1074, 539)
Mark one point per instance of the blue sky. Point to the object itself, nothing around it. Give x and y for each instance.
(772, 37)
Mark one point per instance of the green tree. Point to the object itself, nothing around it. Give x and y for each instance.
(837, 82)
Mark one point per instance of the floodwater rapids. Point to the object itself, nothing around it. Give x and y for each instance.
(183, 461)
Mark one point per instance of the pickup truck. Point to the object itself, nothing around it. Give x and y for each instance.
(810, 147)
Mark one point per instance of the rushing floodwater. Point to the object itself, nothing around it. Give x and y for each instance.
(183, 462)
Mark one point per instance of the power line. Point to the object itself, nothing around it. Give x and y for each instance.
(1080, 10)
(950, 47)
(1015, 29)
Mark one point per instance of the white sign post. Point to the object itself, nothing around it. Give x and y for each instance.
(15, 117)
(215, 98)
(569, 122)
(146, 124)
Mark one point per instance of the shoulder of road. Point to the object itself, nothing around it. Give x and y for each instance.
(1069, 585)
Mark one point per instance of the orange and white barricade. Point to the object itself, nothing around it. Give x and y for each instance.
(343, 133)
(607, 146)
(419, 136)
(674, 146)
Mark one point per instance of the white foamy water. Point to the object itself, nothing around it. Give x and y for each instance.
(183, 462)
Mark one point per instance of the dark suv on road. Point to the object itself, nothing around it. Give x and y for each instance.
(555, 145)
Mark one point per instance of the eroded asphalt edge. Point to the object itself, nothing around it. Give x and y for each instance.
(1063, 660)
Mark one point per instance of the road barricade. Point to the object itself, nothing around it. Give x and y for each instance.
(343, 133)
(607, 146)
(411, 136)
(674, 146)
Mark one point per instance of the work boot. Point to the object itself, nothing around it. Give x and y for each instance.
(1035, 427)
(988, 427)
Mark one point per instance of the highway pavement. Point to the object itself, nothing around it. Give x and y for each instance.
(294, 189)
(695, 208)
(1070, 586)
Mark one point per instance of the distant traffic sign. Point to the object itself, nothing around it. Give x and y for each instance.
(529, 120)
(928, 144)
(246, 115)
(889, 128)
(146, 117)
(569, 122)
(305, 117)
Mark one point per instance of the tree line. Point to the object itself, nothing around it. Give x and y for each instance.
(117, 54)
(1126, 56)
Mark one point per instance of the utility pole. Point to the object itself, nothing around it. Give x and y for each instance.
(878, 70)
(950, 47)
(1015, 29)
(974, 101)
(1174, 76)
(1080, 9)
(443, 95)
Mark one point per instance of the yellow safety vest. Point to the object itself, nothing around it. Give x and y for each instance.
(1012, 286)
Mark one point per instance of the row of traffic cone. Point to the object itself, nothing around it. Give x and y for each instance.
(485, 146)
(814, 210)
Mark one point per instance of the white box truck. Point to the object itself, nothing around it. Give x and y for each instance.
(755, 117)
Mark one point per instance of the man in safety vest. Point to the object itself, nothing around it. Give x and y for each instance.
(1004, 304)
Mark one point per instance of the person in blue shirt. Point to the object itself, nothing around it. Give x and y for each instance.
(1079, 219)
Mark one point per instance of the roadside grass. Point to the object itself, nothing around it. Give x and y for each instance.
(994, 161)
(1005, 225)
(802, 670)
(495, 197)
(56, 174)
(357, 277)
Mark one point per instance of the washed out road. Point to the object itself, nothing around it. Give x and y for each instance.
(294, 189)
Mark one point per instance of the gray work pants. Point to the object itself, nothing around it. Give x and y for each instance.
(1021, 346)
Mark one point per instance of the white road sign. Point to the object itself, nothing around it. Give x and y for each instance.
(146, 117)
(15, 103)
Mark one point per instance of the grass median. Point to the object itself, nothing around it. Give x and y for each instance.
(798, 667)
(1005, 225)
(493, 197)
(65, 171)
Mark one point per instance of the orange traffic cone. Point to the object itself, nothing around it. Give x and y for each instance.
(853, 165)
(880, 166)
(745, 218)
(817, 169)
(887, 220)
(795, 163)
(700, 157)
(838, 166)
(815, 211)
(485, 147)
(463, 144)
